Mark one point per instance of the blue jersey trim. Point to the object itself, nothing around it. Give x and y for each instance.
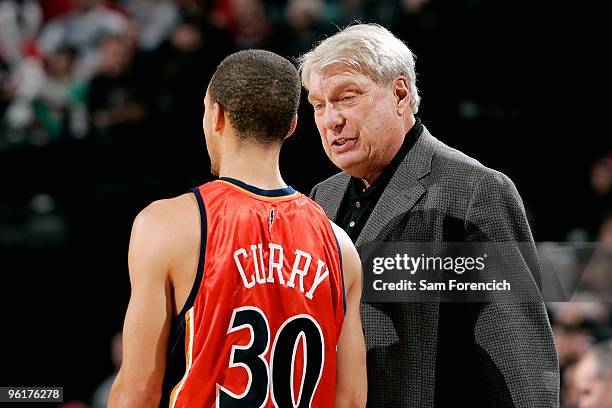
(200, 271)
(279, 192)
(341, 267)
(175, 359)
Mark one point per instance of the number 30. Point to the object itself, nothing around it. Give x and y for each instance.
(251, 357)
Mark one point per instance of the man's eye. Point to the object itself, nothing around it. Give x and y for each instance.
(319, 106)
(348, 97)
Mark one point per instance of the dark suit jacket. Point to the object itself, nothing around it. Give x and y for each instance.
(494, 354)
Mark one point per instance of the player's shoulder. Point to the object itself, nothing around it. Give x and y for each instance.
(350, 257)
(341, 235)
(169, 218)
(344, 241)
(162, 233)
(166, 210)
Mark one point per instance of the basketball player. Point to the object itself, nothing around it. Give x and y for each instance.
(244, 294)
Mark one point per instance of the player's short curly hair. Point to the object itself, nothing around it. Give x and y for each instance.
(260, 91)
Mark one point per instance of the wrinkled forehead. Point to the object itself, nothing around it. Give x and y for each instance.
(337, 76)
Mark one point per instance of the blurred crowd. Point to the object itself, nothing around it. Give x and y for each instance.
(101, 85)
(107, 69)
(104, 97)
(578, 273)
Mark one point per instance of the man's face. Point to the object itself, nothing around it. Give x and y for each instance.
(211, 140)
(356, 118)
(593, 391)
(116, 55)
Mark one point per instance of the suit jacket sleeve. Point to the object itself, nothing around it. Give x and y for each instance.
(313, 192)
(516, 335)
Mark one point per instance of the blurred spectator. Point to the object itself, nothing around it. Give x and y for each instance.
(200, 9)
(46, 104)
(83, 28)
(21, 72)
(117, 94)
(303, 27)
(100, 395)
(601, 176)
(415, 21)
(55, 8)
(6, 86)
(344, 12)
(25, 84)
(576, 325)
(593, 377)
(601, 191)
(597, 201)
(19, 23)
(587, 286)
(61, 105)
(155, 19)
(584, 313)
(597, 276)
(182, 67)
(571, 344)
(569, 391)
(246, 22)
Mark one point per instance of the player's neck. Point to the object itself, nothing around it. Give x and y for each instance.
(256, 166)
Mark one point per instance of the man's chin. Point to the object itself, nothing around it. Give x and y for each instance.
(352, 168)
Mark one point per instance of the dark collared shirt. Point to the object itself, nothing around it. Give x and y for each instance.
(359, 201)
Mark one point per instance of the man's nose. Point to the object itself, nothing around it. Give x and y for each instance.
(333, 118)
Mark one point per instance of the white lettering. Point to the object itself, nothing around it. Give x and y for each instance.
(296, 269)
(318, 278)
(275, 264)
(259, 276)
(242, 252)
(302, 266)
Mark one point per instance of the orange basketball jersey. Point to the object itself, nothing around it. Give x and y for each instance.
(262, 322)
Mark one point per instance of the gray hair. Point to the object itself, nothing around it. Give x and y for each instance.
(367, 48)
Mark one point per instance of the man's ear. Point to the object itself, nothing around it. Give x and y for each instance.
(401, 92)
(218, 118)
(293, 126)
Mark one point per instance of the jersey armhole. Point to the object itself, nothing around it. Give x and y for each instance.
(202, 257)
(341, 267)
(176, 361)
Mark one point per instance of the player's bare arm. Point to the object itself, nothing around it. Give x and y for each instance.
(159, 244)
(351, 380)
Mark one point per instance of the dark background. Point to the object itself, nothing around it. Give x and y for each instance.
(511, 83)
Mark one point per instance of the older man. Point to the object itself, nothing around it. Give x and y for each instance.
(593, 377)
(400, 184)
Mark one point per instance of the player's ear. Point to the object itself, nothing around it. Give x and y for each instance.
(218, 118)
(402, 94)
(293, 126)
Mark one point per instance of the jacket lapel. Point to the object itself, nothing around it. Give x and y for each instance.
(402, 192)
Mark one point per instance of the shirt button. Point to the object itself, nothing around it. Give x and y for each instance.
(352, 224)
(357, 204)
